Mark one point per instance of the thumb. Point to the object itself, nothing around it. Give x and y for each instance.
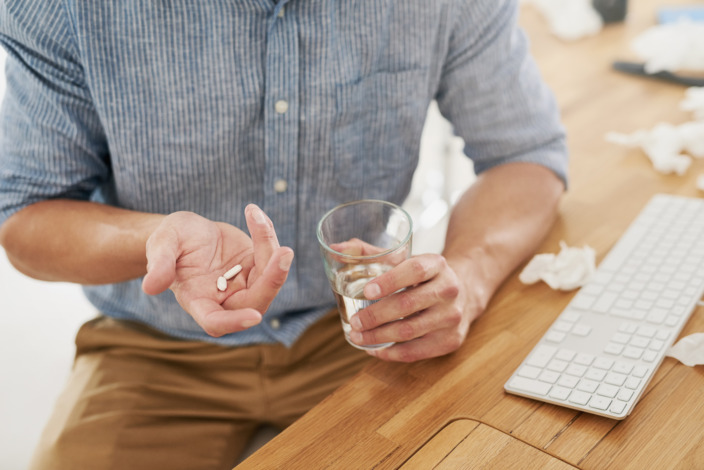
(162, 252)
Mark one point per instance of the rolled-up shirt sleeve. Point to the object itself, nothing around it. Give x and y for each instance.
(51, 140)
(492, 92)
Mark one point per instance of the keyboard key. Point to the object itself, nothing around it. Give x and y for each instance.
(555, 336)
(662, 335)
(541, 356)
(565, 355)
(560, 393)
(530, 386)
(529, 372)
(632, 383)
(632, 353)
(647, 331)
(640, 342)
(604, 302)
(584, 359)
(570, 316)
(623, 368)
(640, 371)
(582, 301)
(657, 315)
(627, 327)
(607, 390)
(581, 329)
(568, 381)
(617, 407)
(599, 403)
(579, 398)
(595, 374)
(576, 370)
(621, 338)
(549, 376)
(588, 386)
(614, 378)
(650, 356)
(603, 363)
(557, 365)
(624, 394)
(613, 348)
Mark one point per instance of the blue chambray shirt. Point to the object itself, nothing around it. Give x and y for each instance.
(203, 106)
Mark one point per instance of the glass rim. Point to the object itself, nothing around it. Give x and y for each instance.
(401, 244)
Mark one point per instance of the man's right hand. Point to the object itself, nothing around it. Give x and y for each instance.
(187, 253)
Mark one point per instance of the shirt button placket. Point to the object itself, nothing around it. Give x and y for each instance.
(281, 120)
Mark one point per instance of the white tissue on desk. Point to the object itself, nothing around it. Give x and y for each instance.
(568, 270)
(665, 143)
(671, 47)
(689, 350)
(694, 101)
(569, 19)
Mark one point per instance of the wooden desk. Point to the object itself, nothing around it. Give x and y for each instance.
(452, 412)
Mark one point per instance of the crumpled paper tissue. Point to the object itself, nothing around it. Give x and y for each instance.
(569, 19)
(671, 47)
(694, 101)
(569, 269)
(689, 350)
(665, 143)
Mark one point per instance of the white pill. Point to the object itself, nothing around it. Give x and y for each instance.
(232, 272)
(222, 284)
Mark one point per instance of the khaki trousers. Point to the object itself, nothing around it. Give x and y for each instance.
(138, 399)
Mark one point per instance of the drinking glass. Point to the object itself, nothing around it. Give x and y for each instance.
(359, 241)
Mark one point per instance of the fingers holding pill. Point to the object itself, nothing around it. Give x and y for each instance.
(221, 276)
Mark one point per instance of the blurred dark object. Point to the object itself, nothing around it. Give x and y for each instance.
(611, 11)
(636, 68)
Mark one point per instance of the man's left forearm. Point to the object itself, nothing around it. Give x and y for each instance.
(498, 223)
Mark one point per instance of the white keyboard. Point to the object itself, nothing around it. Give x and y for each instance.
(601, 352)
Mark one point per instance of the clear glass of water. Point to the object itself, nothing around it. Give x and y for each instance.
(359, 241)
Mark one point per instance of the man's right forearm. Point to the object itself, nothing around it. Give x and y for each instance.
(78, 241)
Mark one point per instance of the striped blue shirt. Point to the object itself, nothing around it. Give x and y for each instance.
(296, 105)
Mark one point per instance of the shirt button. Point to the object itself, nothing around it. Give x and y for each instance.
(275, 323)
(281, 12)
(281, 106)
(280, 185)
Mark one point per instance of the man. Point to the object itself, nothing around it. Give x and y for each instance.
(142, 140)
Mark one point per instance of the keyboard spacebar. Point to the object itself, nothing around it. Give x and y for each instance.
(530, 386)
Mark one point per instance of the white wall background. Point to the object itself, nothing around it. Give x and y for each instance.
(38, 320)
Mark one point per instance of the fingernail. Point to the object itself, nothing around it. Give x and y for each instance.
(372, 291)
(250, 323)
(356, 337)
(285, 261)
(258, 215)
(356, 323)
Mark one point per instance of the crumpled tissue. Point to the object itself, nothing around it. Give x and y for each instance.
(665, 143)
(689, 350)
(694, 101)
(671, 47)
(569, 269)
(569, 19)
